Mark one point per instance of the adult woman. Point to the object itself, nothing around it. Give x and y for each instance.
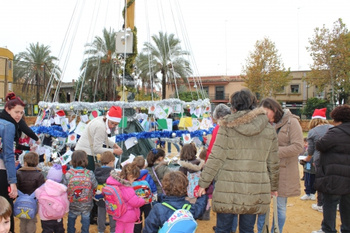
(220, 111)
(333, 177)
(290, 145)
(96, 135)
(244, 163)
(14, 110)
(20, 125)
(318, 126)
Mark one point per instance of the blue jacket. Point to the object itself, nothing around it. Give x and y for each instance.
(148, 179)
(160, 213)
(7, 134)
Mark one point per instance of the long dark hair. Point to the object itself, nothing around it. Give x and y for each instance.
(153, 155)
(274, 106)
(243, 100)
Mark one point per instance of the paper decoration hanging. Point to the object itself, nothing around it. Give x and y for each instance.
(177, 108)
(80, 128)
(130, 142)
(169, 123)
(72, 138)
(84, 118)
(186, 138)
(206, 123)
(66, 157)
(160, 113)
(207, 109)
(64, 124)
(129, 160)
(145, 125)
(95, 113)
(123, 123)
(195, 125)
(73, 125)
(151, 109)
(162, 124)
(185, 122)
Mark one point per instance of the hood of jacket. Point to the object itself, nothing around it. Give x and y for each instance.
(142, 173)
(102, 173)
(53, 188)
(240, 120)
(193, 165)
(115, 179)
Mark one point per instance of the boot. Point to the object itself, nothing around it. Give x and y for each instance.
(206, 215)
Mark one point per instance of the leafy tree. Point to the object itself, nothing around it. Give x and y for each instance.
(167, 58)
(264, 72)
(34, 68)
(330, 51)
(100, 69)
(312, 104)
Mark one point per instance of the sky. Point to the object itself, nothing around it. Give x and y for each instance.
(219, 34)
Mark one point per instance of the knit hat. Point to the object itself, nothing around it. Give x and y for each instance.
(114, 114)
(55, 173)
(320, 113)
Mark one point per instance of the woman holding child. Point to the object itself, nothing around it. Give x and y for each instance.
(244, 163)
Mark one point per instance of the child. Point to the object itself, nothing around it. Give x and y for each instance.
(309, 176)
(53, 201)
(145, 209)
(157, 167)
(80, 185)
(101, 174)
(175, 186)
(29, 178)
(191, 167)
(5, 214)
(124, 181)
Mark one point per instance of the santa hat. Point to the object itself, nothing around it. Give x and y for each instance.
(55, 173)
(320, 113)
(61, 113)
(114, 114)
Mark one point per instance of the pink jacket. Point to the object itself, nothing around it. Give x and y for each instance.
(59, 203)
(132, 201)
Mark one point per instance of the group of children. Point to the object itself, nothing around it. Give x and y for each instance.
(138, 191)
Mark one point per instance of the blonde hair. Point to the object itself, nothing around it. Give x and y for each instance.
(130, 169)
(317, 121)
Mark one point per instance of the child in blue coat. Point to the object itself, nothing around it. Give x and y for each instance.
(175, 186)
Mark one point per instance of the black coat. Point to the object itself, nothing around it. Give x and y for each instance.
(333, 177)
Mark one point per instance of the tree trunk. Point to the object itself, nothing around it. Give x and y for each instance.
(163, 85)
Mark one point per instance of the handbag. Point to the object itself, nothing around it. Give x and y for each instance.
(266, 228)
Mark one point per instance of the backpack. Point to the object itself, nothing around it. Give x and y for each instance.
(98, 193)
(115, 204)
(192, 187)
(52, 207)
(143, 189)
(79, 188)
(180, 221)
(25, 206)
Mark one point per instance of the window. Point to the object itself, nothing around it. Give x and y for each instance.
(294, 88)
(219, 92)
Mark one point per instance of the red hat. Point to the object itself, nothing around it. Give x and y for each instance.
(320, 113)
(114, 114)
(61, 113)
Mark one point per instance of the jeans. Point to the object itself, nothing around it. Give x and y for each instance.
(281, 212)
(176, 146)
(85, 222)
(224, 222)
(261, 221)
(330, 211)
(101, 220)
(309, 181)
(235, 223)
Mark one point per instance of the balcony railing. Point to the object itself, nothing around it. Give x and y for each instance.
(219, 97)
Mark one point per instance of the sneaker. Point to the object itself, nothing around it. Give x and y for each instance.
(312, 197)
(338, 207)
(305, 197)
(316, 207)
(319, 231)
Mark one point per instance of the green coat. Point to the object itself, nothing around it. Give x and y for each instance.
(244, 164)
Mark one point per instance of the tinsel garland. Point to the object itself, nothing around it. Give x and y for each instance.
(105, 105)
(56, 131)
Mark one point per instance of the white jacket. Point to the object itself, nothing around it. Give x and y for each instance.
(96, 130)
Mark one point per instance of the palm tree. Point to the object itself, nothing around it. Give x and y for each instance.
(101, 68)
(167, 58)
(34, 66)
(146, 73)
